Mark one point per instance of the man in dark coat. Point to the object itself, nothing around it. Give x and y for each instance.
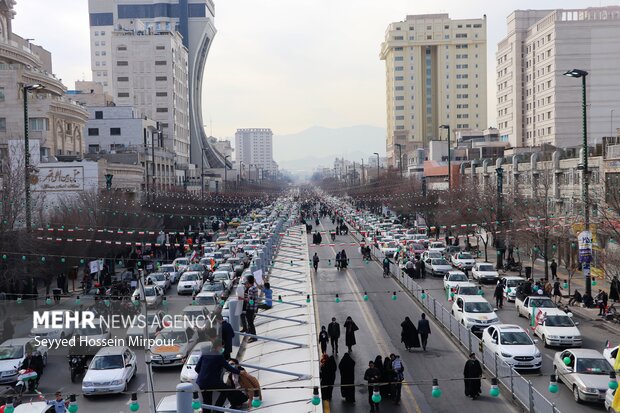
(323, 339)
(349, 333)
(409, 334)
(614, 289)
(347, 378)
(333, 330)
(499, 295)
(554, 269)
(227, 337)
(209, 369)
(424, 329)
(472, 374)
(372, 375)
(328, 377)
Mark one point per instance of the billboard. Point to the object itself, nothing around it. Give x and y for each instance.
(59, 178)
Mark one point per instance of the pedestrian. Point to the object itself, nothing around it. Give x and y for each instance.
(554, 269)
(548, 288)
(557, 291)
(424, 329)
(387, 377)
(59, 403)
(472, 374)
(227, 336)
(399, 375)
(250, 312)
(323, 339)
(349, 336)
(209, 369)
(333, 330)
(347, 378)
(328, 377)
(268, 292)
(499, 295)
(372, 376)
(409, 334)
(315, 262)
(338, 260)
(614, 289)
(575, 299)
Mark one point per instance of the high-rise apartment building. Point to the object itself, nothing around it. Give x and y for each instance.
(192, 19)
(536, 104)
(254, 148)
(435, 75)
(149, 72)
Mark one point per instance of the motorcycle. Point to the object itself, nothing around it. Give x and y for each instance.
(77, 366)
(26, 381)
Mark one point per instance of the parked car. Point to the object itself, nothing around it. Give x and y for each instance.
(12, 354)
(524, 308)
(173, 354)
(474, 312)
(513, 345)
(586, 374)
(189, 283)
(484, 272)
(463, 261)
(556, 328)
(49, 333)
(110, 371)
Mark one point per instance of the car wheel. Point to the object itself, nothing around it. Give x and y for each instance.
(576, 394)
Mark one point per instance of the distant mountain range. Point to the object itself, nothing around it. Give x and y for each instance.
(318, 146)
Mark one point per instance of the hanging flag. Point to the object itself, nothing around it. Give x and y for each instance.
(533, 318)
(615, 404)
(617, 364)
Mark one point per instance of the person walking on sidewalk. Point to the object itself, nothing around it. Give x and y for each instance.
(472, 374)
(333, 330)
(424, 329)
(554, 269)
(347, 378)
(252, 307)
(315, 262)
(349, 336)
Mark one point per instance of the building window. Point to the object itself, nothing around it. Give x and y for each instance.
(121, 48)
(98, 114)
(398, 78)
(1, 94)
(123, 94)
(398, 58)
(93, 148)
(398, 68)
(160, 47)
(39, 124)
(115, 131)
(161, 78)
(93, 131)
(400, 127)
(161, 94)
(399, 98)
(123, 79)
(398, 37)
(160, 63)
(122, 63)
(161, 110)
(399, 108)
(399, 117)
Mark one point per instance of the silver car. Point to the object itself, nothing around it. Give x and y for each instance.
(586, 373)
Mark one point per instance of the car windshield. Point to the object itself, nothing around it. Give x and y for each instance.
(108, 362)
(558, 321)
(206, 300)
(468, 290)
(541, 303)
(167, 268)
(177, 337)
(486, 267)
(88, 331)
(196, 267)
(440, 261)
(220, 276)
(593, 366)
(157, 277)
(513, 283)
(458, 277)
(437, 245)
(418, 247)
(11, 352)
(213, 287)
(515, 338)
(480, 307)
(465, 256)
(149, 291)
(434, 254)
(189, 277)
(182, 262)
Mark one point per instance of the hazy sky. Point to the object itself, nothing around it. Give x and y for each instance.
(283, 64)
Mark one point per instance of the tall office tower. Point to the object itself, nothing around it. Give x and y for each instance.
(192, 19)
(254, 149)
(536, 104)
(435, 75)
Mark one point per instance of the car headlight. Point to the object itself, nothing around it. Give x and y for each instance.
(494, 320)
(537, 354)
(554, 337)
(471, 320)
(10, 373)
(590, 390)
(179, 356)
(578, 338)
(506, 355)
(87, 384)
(116, 382)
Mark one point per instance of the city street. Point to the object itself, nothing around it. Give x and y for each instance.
(379, 321)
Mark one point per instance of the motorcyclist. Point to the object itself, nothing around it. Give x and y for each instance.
(343, 259)
(33, 361)
(386, 265)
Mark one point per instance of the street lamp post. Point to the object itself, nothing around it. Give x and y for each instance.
(611, 122)
(578, 73)
(449, 156)
(26, 89)
(400, 158)
(224, 187)
(500, 242)
(377, 165)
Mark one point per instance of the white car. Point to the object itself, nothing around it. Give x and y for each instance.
(466, 289)
(160, 279)
(181, 264)
(210, 299)
(12, 354)
(437, 246)
(97, 332)
(437, 267)
(510, 287)
(189, 283)
(151, 294)
(430, 254)
(474, 312)
(168, 355)
(586, 374)
(513, 345)
(34, 407)
(389, 248)
(223, 277)
(453, 279)
(556, 328)
(167, 404)
(172, 271)
(110, 371)
(484, 272)
(463, 260)
(188, 374)
(64, 332)
(524, 308)
(154, 323)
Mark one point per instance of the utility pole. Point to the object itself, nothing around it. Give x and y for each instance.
(26, 89)
(153, 155)
(500, 241)
(449, 157)
(400, 158)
